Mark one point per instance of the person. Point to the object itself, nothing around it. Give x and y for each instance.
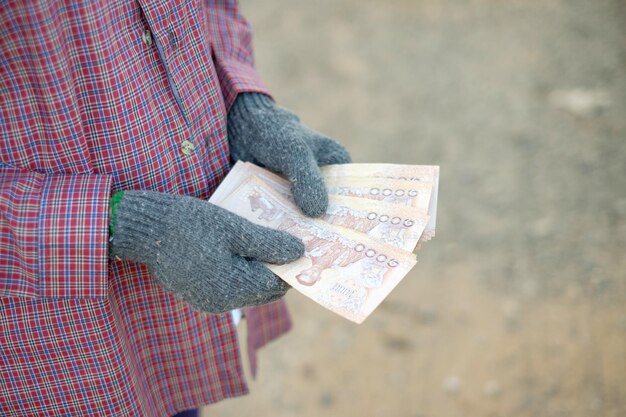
(118, 120)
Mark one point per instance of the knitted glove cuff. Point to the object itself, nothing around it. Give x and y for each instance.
(137, 214)
(247, 103)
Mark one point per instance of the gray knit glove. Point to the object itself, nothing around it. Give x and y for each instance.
(267, 135)
(209, 257)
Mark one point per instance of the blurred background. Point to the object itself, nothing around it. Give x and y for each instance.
(518, 306)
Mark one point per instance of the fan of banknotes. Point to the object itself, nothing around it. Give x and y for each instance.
(358, 251)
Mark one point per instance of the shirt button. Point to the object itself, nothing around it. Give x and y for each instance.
(188, 147)
(146, 37)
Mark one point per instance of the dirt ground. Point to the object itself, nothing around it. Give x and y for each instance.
(517, 307)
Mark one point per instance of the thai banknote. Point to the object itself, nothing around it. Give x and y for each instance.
(236, 176)
(421, 173)
(345, 271)
(395, 224)
(424, 173)
(409, 193)
(240, 172)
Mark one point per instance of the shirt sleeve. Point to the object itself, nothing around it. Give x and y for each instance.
(53, 234)
(231, 41)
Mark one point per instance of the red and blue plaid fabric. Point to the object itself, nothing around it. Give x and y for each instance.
(99, 96)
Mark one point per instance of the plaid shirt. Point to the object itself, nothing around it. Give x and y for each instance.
(98, 96)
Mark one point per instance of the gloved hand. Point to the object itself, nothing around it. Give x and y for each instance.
(209, 257)
(267, 135)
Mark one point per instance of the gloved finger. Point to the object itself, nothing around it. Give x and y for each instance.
(243, 283)
(293, 157)
(307, 184)
(265, 244)
(255, 281)
(271, 298)
(271, 284)
(327, 151)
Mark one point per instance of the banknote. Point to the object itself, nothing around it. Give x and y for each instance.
(409, 193)
(345, 271)
(395, 224)
(236, 176)
(240, 172)
(422, 173)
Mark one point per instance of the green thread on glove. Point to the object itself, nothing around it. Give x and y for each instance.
(115, 200)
